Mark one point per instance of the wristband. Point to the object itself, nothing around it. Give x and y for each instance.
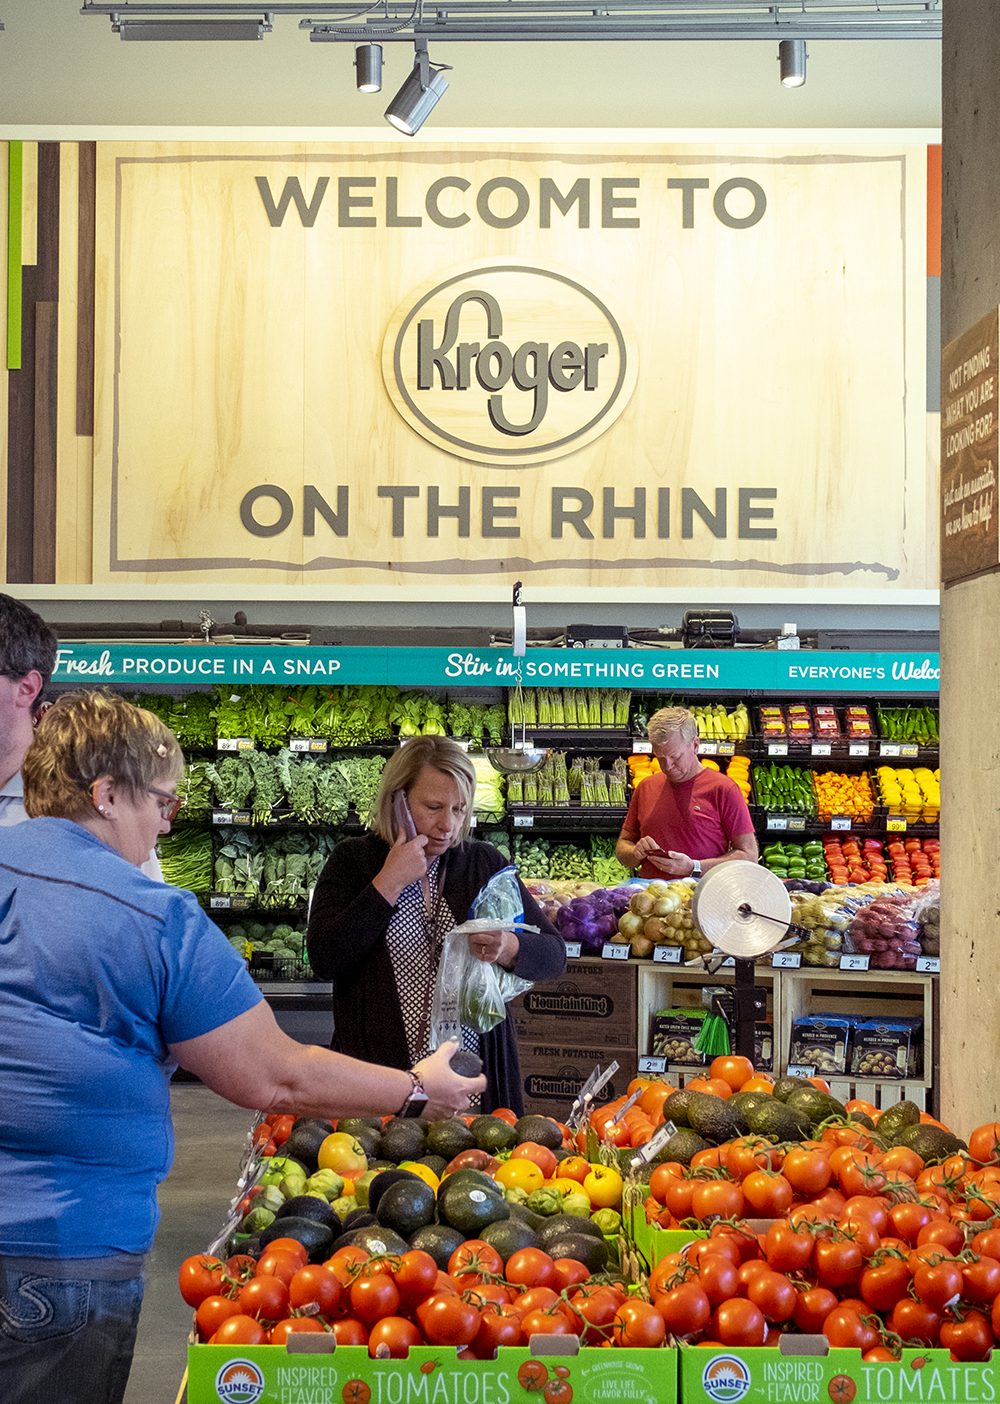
(416, 1098)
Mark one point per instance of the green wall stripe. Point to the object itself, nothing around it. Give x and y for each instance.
(15, 165)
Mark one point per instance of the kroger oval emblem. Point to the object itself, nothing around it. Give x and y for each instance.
(725, 1379)
(508, 364)
(239, 1382)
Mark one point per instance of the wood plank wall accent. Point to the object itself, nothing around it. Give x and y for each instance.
(31, 413)
(86, 233)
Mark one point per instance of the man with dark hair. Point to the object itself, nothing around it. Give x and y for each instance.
(27, 658)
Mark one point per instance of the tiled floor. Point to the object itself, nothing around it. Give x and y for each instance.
(194, 1200)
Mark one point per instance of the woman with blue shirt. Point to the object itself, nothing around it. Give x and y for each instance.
(109, 982)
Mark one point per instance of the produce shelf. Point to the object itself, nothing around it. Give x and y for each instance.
(562, 817)
(568, 738)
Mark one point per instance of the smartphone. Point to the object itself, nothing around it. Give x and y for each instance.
(403, 817)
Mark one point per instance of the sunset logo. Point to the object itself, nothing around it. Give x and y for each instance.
(725, 1379)
(239, 1382)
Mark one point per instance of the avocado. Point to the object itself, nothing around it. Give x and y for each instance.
(816, 1104)
(403, 1140)
(508, 1236)
(862, 1119)
(449, 1138)
(468, 1206)
(358, 1218)
(406, 1206)
(304, 1141)
(526, 1215)
(440, 1241)
(560, 1224)
(683, 1144)
(714, 1119)
(382, 1181)
(473, 1179)
(592, 1252)
(353, 1124)
(932, 1143)
(491, 1134)
(896, 1119)
(744, 1101)
(785, 1086)
(316, 1238)
(466, 1063)
(675, 1108)
(779, 1122)
(540, 1129)
(309, 1206)
(376, 1240)
(437, 1163)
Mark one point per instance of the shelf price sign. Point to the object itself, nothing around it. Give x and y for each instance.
(821, 748)
(235, 743)
(858, 748)
(777, 748)
(649, 1063)
(840, 821)
(667, 955)
(895, 824)
(315, 745)
(615, 950)
(929, 965)
(786, 960)
(642, 748)
(524, 821)
(708, 748)
(777, 821)
(889, 748)
(854, 962)
(573, 950)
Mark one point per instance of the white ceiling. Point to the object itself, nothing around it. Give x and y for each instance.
(59, 70)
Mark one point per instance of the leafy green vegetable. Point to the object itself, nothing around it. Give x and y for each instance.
(185, 856)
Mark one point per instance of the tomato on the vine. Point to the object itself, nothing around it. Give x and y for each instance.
(938, 1285)
(293, 1326)
(774, 1293)
(393, 1337)
(212, 1312)
(278, 1263)
(265, 1297)
(569, 1271)
(981, 1281)
(499, 1325)
(837, 1262)
(845, 1327)
(685, 1309)
(812, 1308)
(914, 1322)
(446, 1319)
(718, 1278)
(374, 1297)
(884, 1282)
(474, 1262)
(968, 1339)
(199, 1277)
(767, 1194)
(350, 1331)
(787, 1249)
(314, 1285)
(737, 1322)
(530, 1267)
(239, 1330)
(638, 1323)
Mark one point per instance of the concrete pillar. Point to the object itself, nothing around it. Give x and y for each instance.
(970, 611)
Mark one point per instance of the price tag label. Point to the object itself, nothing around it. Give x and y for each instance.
(777, 821)
(727, 748)
(642, 748)
(234, 743)
(786, 960)
(822, 748)
(667, 955)
(797, 823)
(858, 748)
(659, 1138)
(573, 950)
(219, 901)
(909, 750)
(895, 824)
(222, 816)
(708, 748)
(649, 1063)
(315, 745)
(889, 748)
(242, 901)
(777, 748)
(929, 965)
(801, 1070)
(524, 821)
(615, 950)
(241, 816)
(854, 962)
(840, 821)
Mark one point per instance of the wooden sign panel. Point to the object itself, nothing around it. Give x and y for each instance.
(970, 415)
(592, 367)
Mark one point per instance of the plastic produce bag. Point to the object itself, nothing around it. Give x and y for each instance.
(469, 991)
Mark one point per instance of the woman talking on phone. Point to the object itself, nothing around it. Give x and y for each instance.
(385, 902)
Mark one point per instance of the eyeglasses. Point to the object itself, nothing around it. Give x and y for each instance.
(170, 805)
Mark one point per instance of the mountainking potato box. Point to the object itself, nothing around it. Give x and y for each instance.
(429, 1375)
(769, 1376)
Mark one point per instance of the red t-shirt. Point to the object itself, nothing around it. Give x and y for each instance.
(699, 817)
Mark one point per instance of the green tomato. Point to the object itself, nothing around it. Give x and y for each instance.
(345, 1205)
(577, 1204)
(327, 1183)
(608, 1220)
(257, 1220)
(545, 1201)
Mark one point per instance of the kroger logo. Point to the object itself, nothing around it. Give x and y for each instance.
(725, 1379)
(508, 364)
(239, 1382)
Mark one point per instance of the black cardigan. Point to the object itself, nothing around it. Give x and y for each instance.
(348, 922)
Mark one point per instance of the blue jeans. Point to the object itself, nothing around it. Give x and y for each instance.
(65, 1339)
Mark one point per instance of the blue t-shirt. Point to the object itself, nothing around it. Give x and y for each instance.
(100, 969)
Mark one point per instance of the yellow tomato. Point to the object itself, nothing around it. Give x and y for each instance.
(574, 1167)
(423, 1171)
(341, 1152)
(603, 1187)
(519, 1174)
(565, 1185)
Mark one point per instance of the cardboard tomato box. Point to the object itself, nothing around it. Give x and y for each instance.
(772, 1376)
(429, 1375)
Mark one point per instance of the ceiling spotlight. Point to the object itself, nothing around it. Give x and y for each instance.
(424, 86)
(172, 30)
(792, 58)
(368, 67)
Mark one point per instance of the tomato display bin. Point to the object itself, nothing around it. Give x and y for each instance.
(429, 1375)
(767, 1374)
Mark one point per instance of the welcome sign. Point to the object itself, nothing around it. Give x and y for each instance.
(641, 367)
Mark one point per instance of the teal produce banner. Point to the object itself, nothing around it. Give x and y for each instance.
(150, 666)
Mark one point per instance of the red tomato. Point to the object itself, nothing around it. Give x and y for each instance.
(346, 1262)
(392, 1338)
(812, 1308)
(547, 1321)
(844, 1327)
(909, 1217)
(884, 1283)
(212, 1312)
(278, 1264)
(350, 1331)
(774, 1293)
(914, 1322)
(499, 1325)
(945, 1232)
(293, 1326)
(638, 1323)
(938, 1285)
(416, 1276)
(787, 1249)
(981, 1281)
(290, 1245)
(446, 1320)
(685, 1309)
(265, 1297)
(715, 1246)
(199, 1277)
(739, 1323)
(374, 1297)
(594, 1308)
(239, 1330)
(718, 1278)
(807, 1171)
(474, 1262)
(535, 1299)
(716, 1199)
(530, 1267)
(281, 1128)
(767, 1195)
(569, 1271)
(970, 1339)
(838, 1262)
(314, 1285)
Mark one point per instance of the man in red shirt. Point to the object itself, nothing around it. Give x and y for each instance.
(689, 818)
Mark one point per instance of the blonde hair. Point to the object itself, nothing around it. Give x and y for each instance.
(671, 721)
(85, 735)
(402, 770)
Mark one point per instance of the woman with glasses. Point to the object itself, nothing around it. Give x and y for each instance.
(110, 980)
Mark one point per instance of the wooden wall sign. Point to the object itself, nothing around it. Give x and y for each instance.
(970, 416)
